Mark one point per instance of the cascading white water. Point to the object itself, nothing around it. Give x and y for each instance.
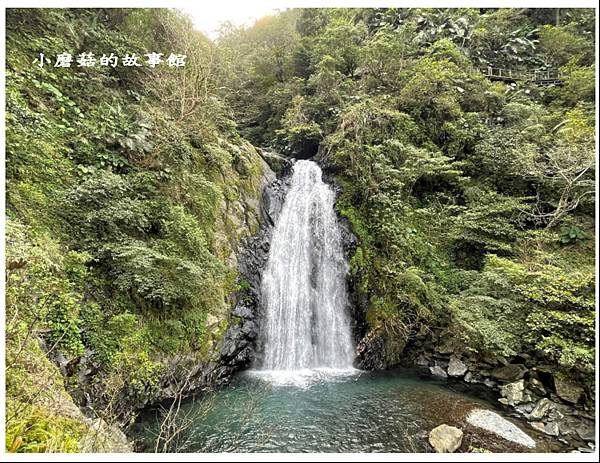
(303, 286)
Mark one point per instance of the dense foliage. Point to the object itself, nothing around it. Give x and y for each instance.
(129, 189)
(472, 199)
(126, 197)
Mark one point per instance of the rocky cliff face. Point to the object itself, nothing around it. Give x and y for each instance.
(55, 411)
(242, 342)
(245, 225)
(251, 219)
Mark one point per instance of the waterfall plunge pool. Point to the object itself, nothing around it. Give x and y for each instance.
(289, 405)
(328, 411)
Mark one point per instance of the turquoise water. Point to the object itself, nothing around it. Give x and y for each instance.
(324, 411)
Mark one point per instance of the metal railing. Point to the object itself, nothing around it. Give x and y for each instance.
(517, 74)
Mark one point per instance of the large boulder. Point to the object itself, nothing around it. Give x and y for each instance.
(101, 437)
(494, 423)
(513, 392)
(456, 367)
(445, 439)
(567, 390)
(438, 371)
(510, 372)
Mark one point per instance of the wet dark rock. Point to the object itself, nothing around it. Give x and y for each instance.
(510, 372)
(370, 353)
(273, 198)
(359, 306)
(233, 342)
(249, 330)
(243, 358)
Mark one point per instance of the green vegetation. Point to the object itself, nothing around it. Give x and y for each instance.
(472, 199)
(128, 190)
(127, 193)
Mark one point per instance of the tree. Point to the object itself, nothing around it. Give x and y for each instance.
(566, 168)
(384, 56)
(341, 39)
(189, 88)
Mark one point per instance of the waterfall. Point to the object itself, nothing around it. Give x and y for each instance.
(303, 292)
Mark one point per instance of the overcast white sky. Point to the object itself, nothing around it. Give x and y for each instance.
(208, 16)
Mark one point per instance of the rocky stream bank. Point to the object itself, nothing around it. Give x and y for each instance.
(551, 406)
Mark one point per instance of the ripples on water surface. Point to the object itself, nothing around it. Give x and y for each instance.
(322, 411)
